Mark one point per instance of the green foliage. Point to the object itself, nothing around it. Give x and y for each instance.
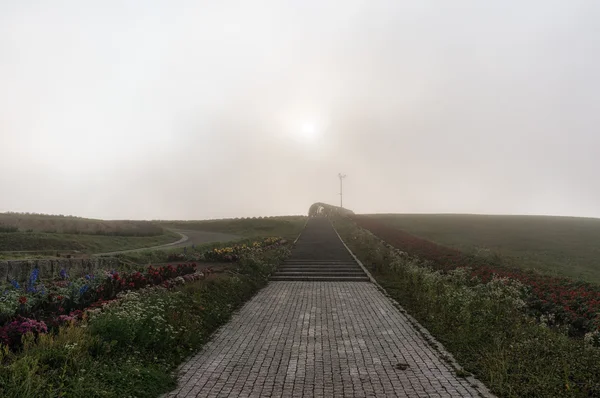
(8, 228)
(77, 225)
(29, 243)
(132, 346)
(144, 322)
(482, 325)
(287, 227)
(198, 253)
(558, 246)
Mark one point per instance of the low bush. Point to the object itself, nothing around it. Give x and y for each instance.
(8, 229)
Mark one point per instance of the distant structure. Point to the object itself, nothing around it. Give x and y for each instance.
(321, 209)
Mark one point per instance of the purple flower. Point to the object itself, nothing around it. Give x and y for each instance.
(32, 279)
(15, 284)
(63, 274)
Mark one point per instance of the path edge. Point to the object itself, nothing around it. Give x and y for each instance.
(481, 388)
(184, 238)
(177, 371)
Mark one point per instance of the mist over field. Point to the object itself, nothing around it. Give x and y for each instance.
(194, 110)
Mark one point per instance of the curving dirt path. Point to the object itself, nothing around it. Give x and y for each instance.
(188, 238)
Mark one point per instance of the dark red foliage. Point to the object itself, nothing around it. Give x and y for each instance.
(137, 280)
(10, 334)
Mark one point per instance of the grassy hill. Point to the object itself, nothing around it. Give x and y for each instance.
(27, 235)
(286, 226)
(40, 235)
(42, 245)
(567, 246)
(32, 222)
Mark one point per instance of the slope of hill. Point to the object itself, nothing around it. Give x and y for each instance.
(33, 222)
(567, 246)
(285, 226)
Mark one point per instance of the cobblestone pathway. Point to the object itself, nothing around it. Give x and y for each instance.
(319, 339)
(302, 337)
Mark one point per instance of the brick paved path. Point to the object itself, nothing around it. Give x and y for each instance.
(320, 339)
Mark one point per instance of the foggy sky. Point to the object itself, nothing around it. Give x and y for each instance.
(195, 109)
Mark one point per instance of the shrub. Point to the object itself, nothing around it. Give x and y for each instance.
(11, 333)
(8, 228)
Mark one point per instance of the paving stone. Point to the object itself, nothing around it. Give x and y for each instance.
(322, 339)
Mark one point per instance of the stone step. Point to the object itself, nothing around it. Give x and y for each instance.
(321, 278)
(317, 269)
(316, 262)
(314, 269)
(291, 261)
(300, 264)
(321, 258)
(319, 255)
(319, 266)
(318, 273)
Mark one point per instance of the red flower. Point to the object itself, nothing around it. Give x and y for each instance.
(22, 299)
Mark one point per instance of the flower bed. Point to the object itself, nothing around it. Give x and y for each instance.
(555, 300)
(233, 253)
(131, 345)
(37, 306)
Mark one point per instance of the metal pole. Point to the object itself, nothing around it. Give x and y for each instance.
(341, 176)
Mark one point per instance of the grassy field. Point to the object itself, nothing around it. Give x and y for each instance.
(31, 235)
(42, 245)
(286, 227)
(247, 229)
(27, 222)
(29, 240)
(566, 246)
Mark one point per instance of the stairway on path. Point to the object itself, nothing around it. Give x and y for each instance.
(320, 255)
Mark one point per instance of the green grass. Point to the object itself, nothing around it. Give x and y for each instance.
(32, 222)
(565, 246)
(160, 256)
(28, 245)
(286, 227)
(14, 245)
(249, 229)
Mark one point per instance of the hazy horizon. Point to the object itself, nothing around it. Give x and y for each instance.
(193, 110)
